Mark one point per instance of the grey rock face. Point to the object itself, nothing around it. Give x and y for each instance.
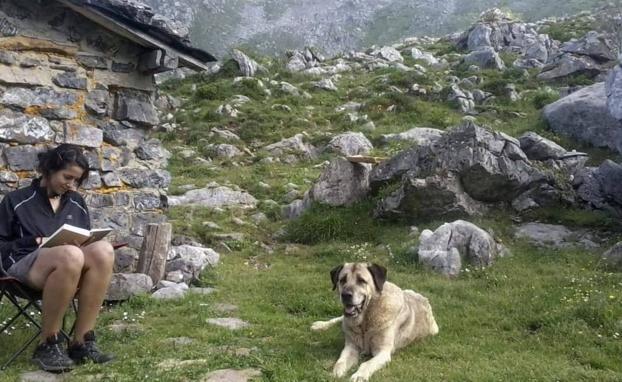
(613, 89)
(452, 244)
(485, 58)
(215, 197)
(434, 197)
(135, 107)
(593, 44)
(599, 188)
(295, 146)
(144, 178)
(350, 144)
(41, 96)
(248, 67)
(191, 260)
(539, 148)
(24, 129)
(544, 234)
(568, 65)
(421, 136)
(612, 258)
(125, 285)
(584, 116)
(341, 183)
(70, 80)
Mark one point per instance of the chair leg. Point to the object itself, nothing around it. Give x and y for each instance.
(20, 351)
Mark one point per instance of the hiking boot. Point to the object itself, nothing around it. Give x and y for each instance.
(82, 352)
(50, 356)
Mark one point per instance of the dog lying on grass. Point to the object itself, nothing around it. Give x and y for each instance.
(378, 318)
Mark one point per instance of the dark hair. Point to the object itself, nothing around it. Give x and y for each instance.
(60, 158)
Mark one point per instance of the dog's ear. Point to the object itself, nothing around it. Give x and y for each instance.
(334, 274)
(379, 274)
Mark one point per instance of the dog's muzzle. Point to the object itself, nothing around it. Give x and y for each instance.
(350, 310)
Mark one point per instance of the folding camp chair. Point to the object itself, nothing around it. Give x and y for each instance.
(25, 300)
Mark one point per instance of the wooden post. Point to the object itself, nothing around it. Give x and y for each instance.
(152, 258)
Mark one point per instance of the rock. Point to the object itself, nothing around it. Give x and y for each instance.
(462, 98)
(79, 134)
(612, 258)
(169, 293)
(297, 207)
(152, 150)
(350, 143)
(24, 129)
(485, 58)
(341, 183)
(490, 165)
(144, 178)
(42, 376)
(389, 54)
(22, 158)
(96, 102)
(224, 150)
(230, 375)
(326, 84)
(248, 67)
(583, 115)
(568, 65)
(539, 148)
(426, 57)
(125, 285)
(191, 260)
(135, 107)
(421, 136)
(434, 197)
(294, 145)
(215, 197)
(452, 244)
(593, 45)
(228, 323)
(70, 80)
(613, 89)
(546, 235)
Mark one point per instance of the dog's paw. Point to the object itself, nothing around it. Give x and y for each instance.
(359, 377)
(319, 326)
(339, 370)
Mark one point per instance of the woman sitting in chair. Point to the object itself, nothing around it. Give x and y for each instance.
(29, 215)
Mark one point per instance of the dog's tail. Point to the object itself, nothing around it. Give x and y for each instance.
(319, 326)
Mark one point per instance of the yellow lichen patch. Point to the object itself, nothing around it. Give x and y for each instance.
(33, 111)
(25, 174)
(23, 43)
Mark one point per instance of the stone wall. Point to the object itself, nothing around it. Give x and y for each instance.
(65, 79)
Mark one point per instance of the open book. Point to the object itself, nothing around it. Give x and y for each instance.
(69, 234)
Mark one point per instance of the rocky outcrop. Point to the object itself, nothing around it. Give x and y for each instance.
(584, 116)
(589, 56)
(600, 187)
(498, 32)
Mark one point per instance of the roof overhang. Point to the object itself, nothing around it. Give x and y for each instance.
(140, 37)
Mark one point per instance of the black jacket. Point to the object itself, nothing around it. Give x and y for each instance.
(26, 214)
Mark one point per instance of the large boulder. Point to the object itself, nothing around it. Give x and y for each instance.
(584, 116)
(421, 136)
(434, 197)
(452, 244)
(613, 89)
(485, 58)
(215, 196)
(341, 183)
(601, 187)
(350, 143)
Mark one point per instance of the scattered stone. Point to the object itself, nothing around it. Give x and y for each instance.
(231, 375)
(228, 323)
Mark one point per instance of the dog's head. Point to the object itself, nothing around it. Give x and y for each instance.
(357, 284)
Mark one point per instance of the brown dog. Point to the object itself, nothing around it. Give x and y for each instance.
(378, 318)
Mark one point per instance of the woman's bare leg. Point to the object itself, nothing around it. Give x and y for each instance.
(96, 275)
(56, 272)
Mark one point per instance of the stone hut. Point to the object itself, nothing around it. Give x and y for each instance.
(82, 72)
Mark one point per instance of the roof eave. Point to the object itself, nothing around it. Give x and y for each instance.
(135, 35)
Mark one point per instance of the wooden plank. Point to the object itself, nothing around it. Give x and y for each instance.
(152, 258)
(139, 37)
(365, 159)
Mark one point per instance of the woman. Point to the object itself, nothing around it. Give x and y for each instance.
(29, 215)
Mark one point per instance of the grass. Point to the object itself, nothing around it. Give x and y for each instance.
(538, 315)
